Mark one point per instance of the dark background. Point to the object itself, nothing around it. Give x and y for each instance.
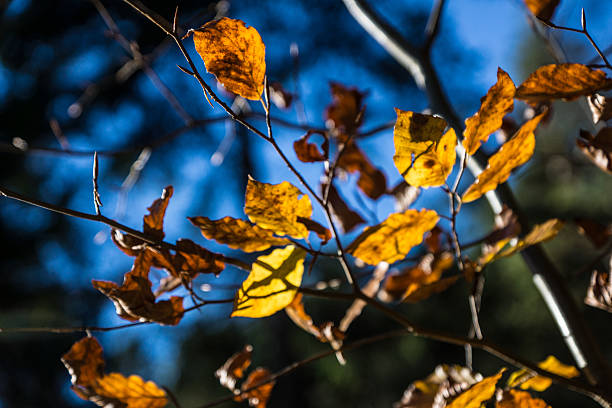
(57, 62)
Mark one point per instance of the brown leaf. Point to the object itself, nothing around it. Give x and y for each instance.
(596, 232)
(134, 300)
(348, 219)
(392, 239)
(130, 245)
(233, 53)
(238, 234)
(498, 101)
(371, 180)
(258, 397)
(513, 153)
(520, 399)
(601, 108)
(345, 112)
(427, 290)
(279, 96)
(235, 366)
(191, 259)
(599, 293)
(597, 148)
(309, 152)
(85, 363)
(562, 81)
(298, 315)
(153, 223)
(405, 195)
(433, 240)
(323, 233)
(542, 9)
(478, 393)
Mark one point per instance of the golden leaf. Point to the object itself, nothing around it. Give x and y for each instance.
(235, 54)
(392, 239)
(478, 393)
(520, 399)
(85, 364)
(277, 207)
(498, 101)
(258, 397)
(272, 283)
(543, 9)
(512, 154)
(423, 154)
(562, 81)
(540, 383)
(238, 234)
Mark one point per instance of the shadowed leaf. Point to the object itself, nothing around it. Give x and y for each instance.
(233, 53)
(345, 112)
(348, 219)
(597, 233)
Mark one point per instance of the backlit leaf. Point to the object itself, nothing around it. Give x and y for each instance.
(277, 207)
(543, 9)
(371, 180)
(323, 233)
(272, 283)
(345, 112)
(520, 399)
(85, 363)
(562, 81)
(540, 383)
(424, 155)
(258, 397)
(238, 234)
(233, 369)
(512, 154)
(597, 148)
(308, 152)
(392, 239)
(498, 101)
(235, 54)
(134, 300)
(153, 223)
(478, 393)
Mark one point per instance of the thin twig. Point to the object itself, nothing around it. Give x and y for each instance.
(96, 195)
(433, 24)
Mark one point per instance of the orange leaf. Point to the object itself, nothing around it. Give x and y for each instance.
(309, 152)
(498, 101)
(520, 399)
(277, 207)
(258, 397)
(478, 393)
(345, 112)
(392, 239)
(233, 369)
(542, 9)
(323, 233)
(85, 364)
(153, 223)
(512, 154)
(371, 180)
(238, 234)
(562, 81)
(134, 300)
(234, 53)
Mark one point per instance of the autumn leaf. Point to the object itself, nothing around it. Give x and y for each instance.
(85, 363)
(277, 207)
(512, 154)
(153, 223)
(539, 383)
(597, 148)
(498, 101)
(134, 300)
(424, 155)
(601, 107)
(323, 233)
(392, 239)
(346, 217)
(257, 397)
(542, 9)
(233, 369)
(371, 180)
(308, 152)
(562, 81)
(272, 283)
(296, 312)
(520, 399)
(233, 53)
(345, 113)
(599, 293)
(238, 234)
(478, 393)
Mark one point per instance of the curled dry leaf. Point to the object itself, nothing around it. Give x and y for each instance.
(153, 223)
(272, 283)
(478, 393)
(513, 153)
(562, 81)
(599, 293)
(405, 195)
(85, 363)
(601, 107)
(277, 207)
(238, 234)
(392, 239)
(348, 219)
(233, 53)
(371, 180)
(424, 154)
(519, 399)
(596, 232)
(134, 300)
(309, 152)
(527, 381)
(235, 366)
(257, 395)
(597, 148)
(498, 101)
(345, 113)
(542, 9)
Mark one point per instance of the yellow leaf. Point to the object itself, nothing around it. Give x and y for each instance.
(512, 154)
(540, 383)
(520, 399)
(562, 81)
(277, 207)
(131, 390)
(392, 239)
(235, 54)
(424, 155)
(498, 101)
(272, 283)
(543, 9)
(478, 393)
(238, 234)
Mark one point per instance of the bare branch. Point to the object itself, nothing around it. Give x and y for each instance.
(433, 24)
